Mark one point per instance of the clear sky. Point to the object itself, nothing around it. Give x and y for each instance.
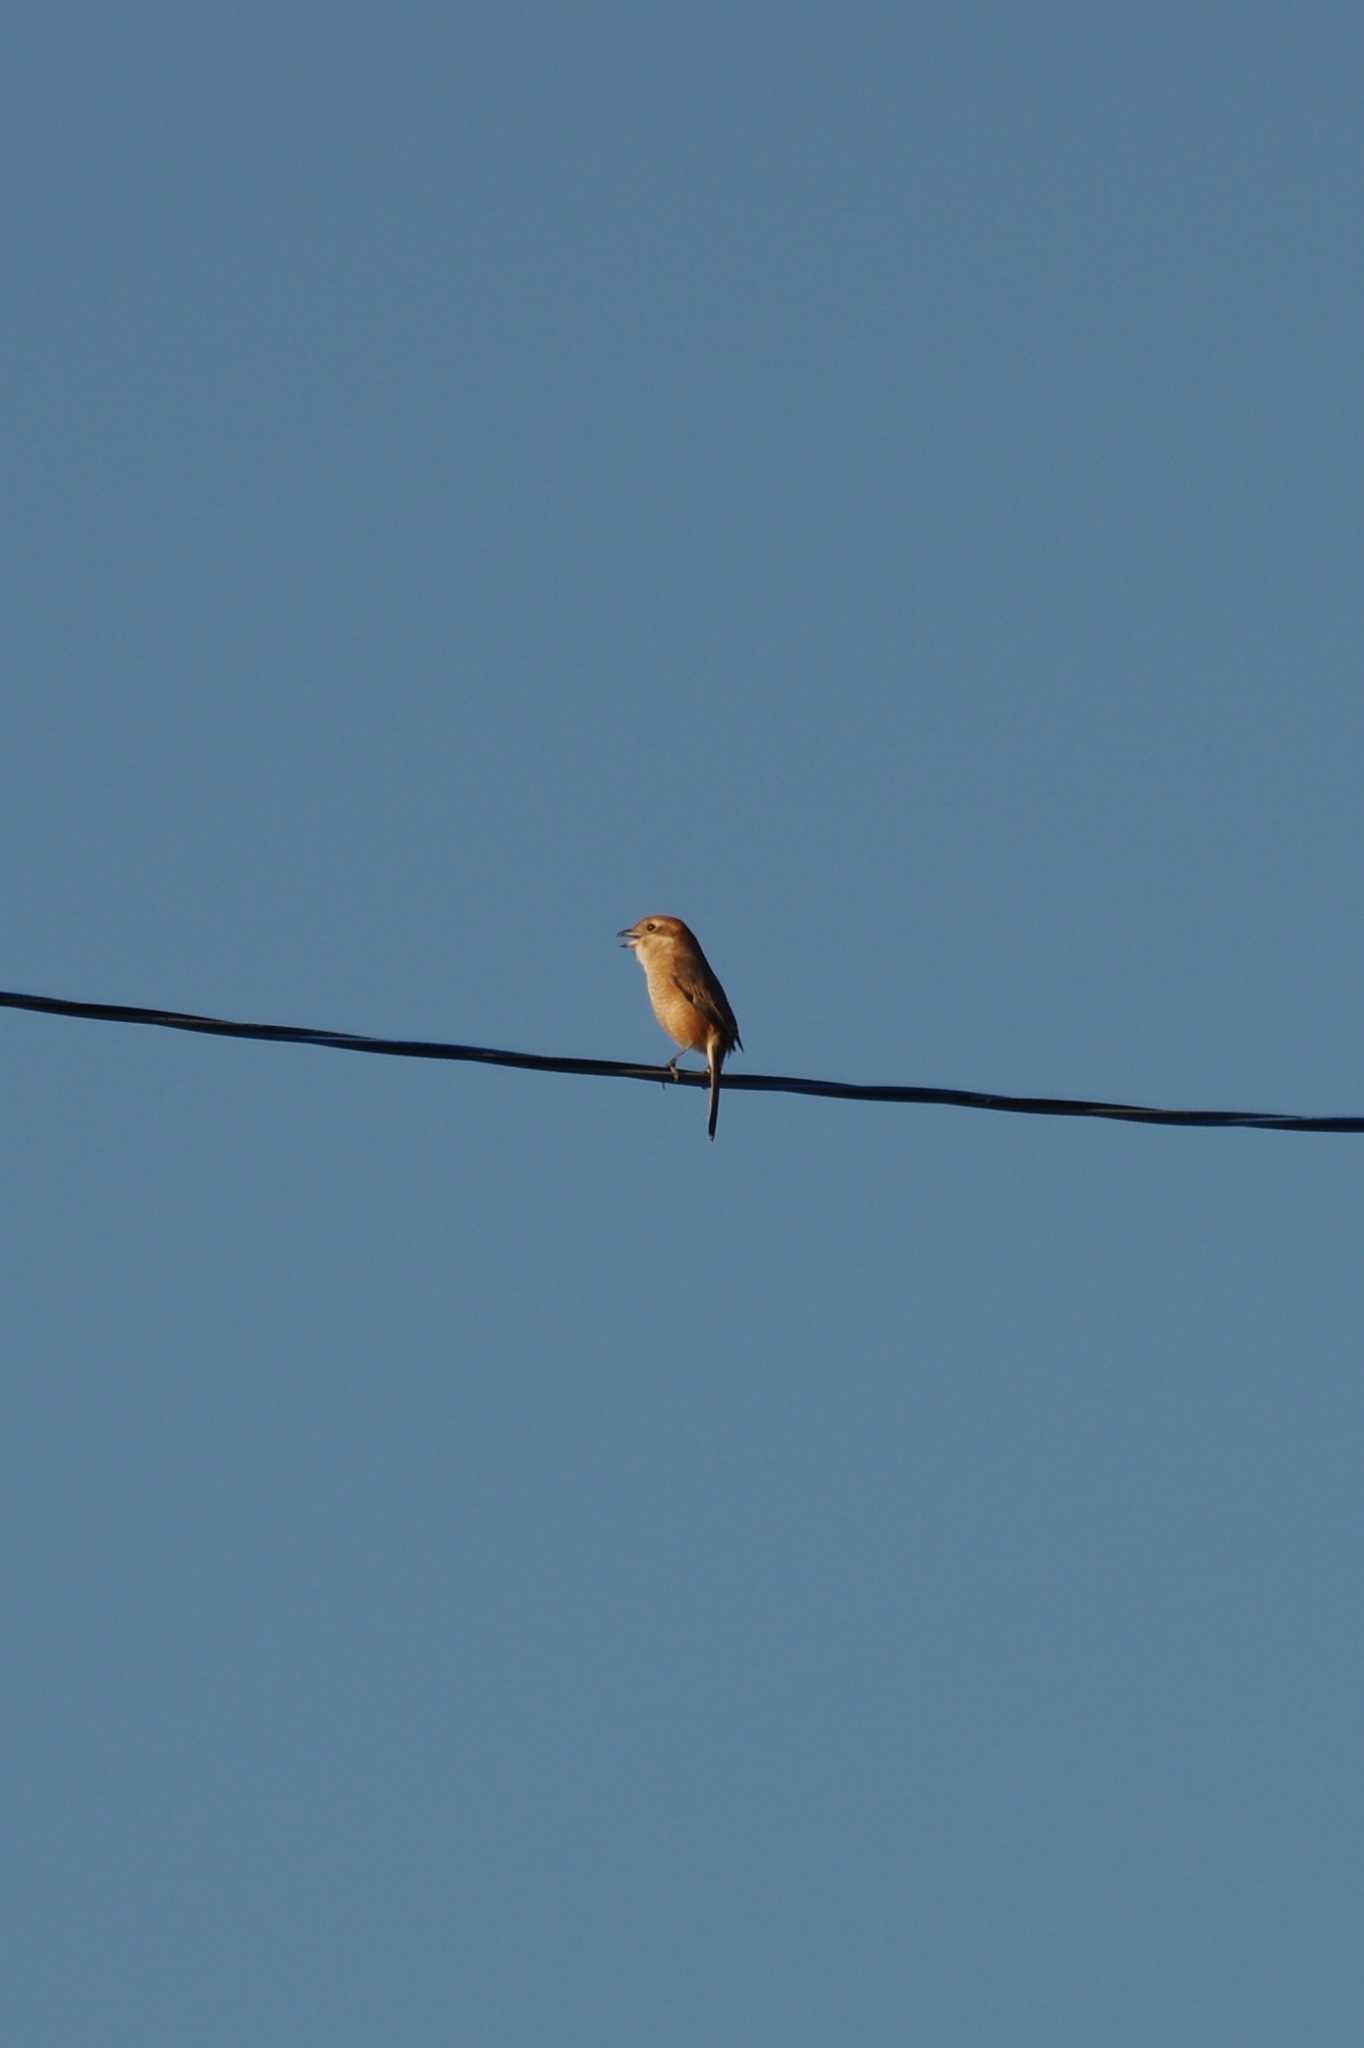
(482, 1565)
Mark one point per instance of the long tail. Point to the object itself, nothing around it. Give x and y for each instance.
(717, 1060)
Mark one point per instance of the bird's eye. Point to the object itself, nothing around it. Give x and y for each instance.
(651, 926)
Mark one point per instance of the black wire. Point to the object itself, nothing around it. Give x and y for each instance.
(766, 1084)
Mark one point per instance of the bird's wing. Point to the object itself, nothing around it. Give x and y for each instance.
(705, 994)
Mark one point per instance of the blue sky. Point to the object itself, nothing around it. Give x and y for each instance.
(483, 1564)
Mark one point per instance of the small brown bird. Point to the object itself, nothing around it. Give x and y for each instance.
(686, 994)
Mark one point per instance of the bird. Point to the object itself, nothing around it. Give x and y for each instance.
(687, 998)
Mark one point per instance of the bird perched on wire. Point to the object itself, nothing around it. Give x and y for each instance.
(686, 994)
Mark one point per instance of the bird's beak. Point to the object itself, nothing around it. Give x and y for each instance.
(627, 937)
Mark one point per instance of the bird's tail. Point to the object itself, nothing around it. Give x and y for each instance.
(717, 1060)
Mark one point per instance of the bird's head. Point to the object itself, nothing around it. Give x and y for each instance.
(653, 935)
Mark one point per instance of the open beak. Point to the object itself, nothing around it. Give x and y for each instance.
(627, 936)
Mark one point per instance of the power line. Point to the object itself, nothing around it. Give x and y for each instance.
(754, 1084)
